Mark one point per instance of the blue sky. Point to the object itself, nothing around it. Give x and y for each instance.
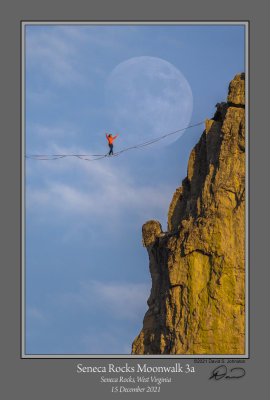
(87, 277)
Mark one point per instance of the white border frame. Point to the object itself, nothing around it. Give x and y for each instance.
(131, 356)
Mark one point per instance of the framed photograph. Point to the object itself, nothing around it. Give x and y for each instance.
(135, 189)
(134, 199)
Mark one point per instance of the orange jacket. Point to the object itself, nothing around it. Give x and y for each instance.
(110, 138)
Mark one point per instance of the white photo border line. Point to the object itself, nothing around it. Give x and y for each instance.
(245, 23)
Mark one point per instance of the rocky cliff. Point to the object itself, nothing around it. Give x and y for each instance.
(197, 300)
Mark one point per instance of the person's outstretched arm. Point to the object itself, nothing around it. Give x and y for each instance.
(115, 136)
(106, 135)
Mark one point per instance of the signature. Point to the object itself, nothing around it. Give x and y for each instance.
(223, 372)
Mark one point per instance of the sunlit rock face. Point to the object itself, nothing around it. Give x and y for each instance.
(197, 300)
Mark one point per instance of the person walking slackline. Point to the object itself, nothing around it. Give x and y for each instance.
(110, 142)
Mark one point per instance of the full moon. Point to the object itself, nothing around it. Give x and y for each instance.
(147, 97)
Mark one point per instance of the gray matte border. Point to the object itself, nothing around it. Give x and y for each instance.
(23, 290)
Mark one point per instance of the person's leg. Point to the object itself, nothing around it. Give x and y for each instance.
(111, 150)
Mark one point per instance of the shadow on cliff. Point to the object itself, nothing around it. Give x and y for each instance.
(203, 156)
